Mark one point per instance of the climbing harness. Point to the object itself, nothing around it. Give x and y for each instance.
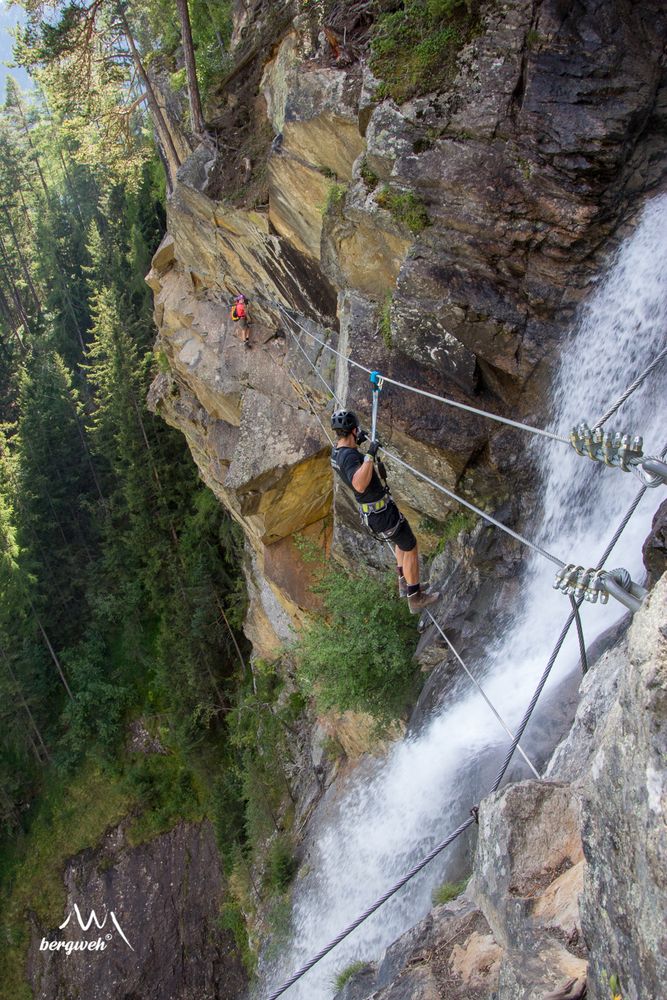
(374, 508)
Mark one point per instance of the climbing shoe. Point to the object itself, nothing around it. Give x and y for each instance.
(247, 345)
(422, 599)
(402, 587)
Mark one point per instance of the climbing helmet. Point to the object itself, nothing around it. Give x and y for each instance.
(343, 421)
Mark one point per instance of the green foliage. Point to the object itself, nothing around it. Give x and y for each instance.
(281, 865)
(335, 197)
(344, 976)
(260, 726)
(368, 176)
(385, 321)
(165, 789)
(232, 919)
(456, 522)
(414, 47)
(448, 891)
(118, 569)
(279, 919)
(406, 207)
(358, 653)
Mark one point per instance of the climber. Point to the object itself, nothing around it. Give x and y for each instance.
(376, 507)
(240, 315)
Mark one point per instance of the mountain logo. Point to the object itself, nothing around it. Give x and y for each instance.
(98, 944)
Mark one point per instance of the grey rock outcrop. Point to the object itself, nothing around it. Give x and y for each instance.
(166, 896)
(624, 903)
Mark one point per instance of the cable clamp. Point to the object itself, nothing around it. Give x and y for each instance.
(612, 448)
(595, 585)
(582, 584)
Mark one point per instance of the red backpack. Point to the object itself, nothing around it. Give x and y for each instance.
(238, 311)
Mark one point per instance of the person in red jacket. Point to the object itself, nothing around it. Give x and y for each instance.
(240, 316)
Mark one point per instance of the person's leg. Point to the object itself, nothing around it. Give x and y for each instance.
(402, 585)
(418, 599)
(410, 564)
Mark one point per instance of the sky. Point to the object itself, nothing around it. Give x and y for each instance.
(9, 18)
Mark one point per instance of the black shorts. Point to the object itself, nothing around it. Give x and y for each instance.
(386, 520)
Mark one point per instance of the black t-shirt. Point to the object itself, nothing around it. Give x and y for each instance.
(346, 461)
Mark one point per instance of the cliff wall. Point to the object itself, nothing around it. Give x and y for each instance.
(444, 242)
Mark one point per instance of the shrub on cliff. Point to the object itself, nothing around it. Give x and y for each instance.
(359, 653)
(414, 48)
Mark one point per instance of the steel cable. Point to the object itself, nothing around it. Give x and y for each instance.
(506, 761)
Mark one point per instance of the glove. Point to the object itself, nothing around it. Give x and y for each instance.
(373, 448)
(361, 435)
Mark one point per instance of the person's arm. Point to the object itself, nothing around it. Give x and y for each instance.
(362, 477)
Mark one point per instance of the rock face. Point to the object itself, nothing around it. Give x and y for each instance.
(165, 896)
(537, 153)
(624, 905)
(568, 890)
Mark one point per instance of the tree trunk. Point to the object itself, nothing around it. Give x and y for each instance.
(160, 124)
(22, 261)
(196, 113)
(24, 704)
(7, 267)
(6, 311)
(52, 652)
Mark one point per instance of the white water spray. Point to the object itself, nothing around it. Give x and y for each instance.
(425, 787)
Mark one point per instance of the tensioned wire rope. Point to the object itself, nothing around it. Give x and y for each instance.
(444, 489)
(641, 378)
(423, 862)
(515, 742)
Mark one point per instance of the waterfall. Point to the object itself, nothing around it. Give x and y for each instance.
(403, 805)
